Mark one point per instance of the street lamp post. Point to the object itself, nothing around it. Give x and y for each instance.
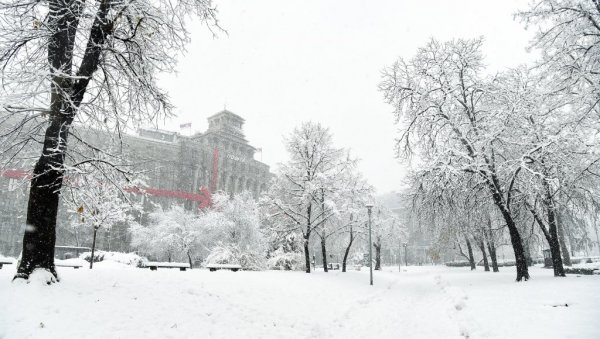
(369, 207)
(399, 256)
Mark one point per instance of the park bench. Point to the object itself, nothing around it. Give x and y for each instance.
(333, 266)
(153, 266)
(2, 263)
(214, 267)
(75, 266)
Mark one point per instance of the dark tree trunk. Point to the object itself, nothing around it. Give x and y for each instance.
(306, 255)
(347, 250)
(190, 259)
(470, 250)
(564, 250)
(492, 252)
(552, 242)
(527, 248)
(66, 96)
(557, 263)
(515, 239)
(324, 255)
(486, 265)
(93, 248)
(377, 257)
(504, 207)
(377, 246)
(491, 247)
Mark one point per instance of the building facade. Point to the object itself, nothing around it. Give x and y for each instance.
(220, 159)
(178, 169)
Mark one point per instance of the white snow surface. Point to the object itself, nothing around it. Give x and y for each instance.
(120, 301)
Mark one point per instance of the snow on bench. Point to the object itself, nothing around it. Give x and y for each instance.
(4, 262)
(74, 262)
(155, 265)
(333, 265)
(75, 266)
(214, 267)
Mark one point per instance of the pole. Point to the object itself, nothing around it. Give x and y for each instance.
(93, 247)
(405, 254)
(399, 256)
(370, 247)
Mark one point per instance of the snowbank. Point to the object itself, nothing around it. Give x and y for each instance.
(117, 257)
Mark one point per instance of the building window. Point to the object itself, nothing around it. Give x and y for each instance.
(13, 184)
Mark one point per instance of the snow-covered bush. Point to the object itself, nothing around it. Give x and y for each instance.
(285, 252)
(123, 258)
(173, 234)
(232, 232)
(286, 261)
(232, 254)
(222, 255)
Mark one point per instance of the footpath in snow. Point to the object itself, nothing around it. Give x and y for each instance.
(118, 301)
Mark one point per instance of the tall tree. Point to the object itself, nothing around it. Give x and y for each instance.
(295, 195)
(93, 62)
(441, 97)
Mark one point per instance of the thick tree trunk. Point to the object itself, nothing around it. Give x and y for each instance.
(564, 250)
(66, 96)
(306, 255)
(557, 264)
(515, 239)
(494, 259)
(552, 242)
(347, 250)
(324, 255)
(513, 231)
(491, 247)
(527, 248)
(470, 251)
(486, 265)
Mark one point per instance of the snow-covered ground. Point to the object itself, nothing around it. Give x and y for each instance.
(119, 301)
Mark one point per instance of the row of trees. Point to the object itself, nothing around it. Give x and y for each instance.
(319, 195)
(319, 192)
(510, 149)
(316, 198)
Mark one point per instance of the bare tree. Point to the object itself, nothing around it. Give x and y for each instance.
(441, 95)
(296, 196)
(89, 62)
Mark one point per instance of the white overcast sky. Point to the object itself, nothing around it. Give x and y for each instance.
(287, 61)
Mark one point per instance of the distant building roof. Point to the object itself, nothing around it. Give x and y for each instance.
(228, 113)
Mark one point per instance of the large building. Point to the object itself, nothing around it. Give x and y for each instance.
(220, 159)
(179, 169)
